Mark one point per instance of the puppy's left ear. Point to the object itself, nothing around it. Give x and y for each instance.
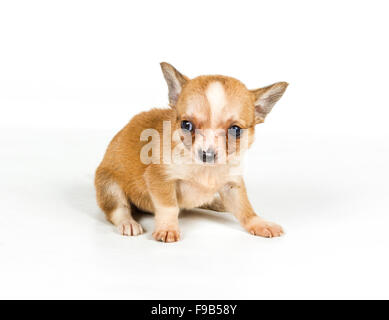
(175, 82)
(266, 98)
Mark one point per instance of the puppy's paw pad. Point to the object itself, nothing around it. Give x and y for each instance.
(264, 228)
(130, 228)
(170, 235)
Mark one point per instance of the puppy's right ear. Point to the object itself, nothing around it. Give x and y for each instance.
(175, 82)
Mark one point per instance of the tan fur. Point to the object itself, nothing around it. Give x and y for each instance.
(123, 180)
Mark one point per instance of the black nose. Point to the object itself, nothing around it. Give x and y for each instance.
(208, 156)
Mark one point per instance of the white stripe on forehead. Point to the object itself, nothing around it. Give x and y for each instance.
(216, 96)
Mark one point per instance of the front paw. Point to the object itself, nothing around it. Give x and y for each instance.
(166, 234)
(130, 228)
(263, 228)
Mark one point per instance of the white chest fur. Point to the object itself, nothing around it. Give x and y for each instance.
(191, 194)
(198, 185)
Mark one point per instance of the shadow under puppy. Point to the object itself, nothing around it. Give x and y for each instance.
(207, 112)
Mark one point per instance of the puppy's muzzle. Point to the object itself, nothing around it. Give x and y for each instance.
(207, 156)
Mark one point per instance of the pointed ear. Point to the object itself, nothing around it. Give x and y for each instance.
(175, 82)
(266, 98)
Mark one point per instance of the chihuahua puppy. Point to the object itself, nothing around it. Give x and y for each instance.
(206, 114)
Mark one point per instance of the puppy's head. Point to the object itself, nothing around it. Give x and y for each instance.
(217, 113)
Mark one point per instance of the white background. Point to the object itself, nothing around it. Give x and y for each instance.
(72, 73)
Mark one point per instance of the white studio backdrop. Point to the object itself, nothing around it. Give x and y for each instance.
(94, 64)
(72, 73)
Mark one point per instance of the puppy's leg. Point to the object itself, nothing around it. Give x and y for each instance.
(235, 200)
(114, 203)
(166, 210)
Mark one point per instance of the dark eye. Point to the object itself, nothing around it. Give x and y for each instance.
(187, 125)
(235, 131)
